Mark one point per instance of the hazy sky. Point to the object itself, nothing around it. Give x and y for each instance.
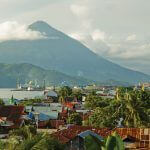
(116, 29)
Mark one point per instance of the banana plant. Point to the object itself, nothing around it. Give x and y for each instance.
(114, 142)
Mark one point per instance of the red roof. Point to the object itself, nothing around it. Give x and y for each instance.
(139, 135)
(12, 113)
(73, 131)
(56, 123)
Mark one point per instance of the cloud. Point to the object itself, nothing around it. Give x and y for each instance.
(98, 35)
(15, 31)
(78, 36)
(102, 29)
(131, 37)
(79, 10)
(114, 29)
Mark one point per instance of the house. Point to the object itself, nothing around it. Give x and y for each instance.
(55, 124)
(134, 138)
(77, 143)
(74, 138)
(50, 96)
(12, 116)
(43, 118)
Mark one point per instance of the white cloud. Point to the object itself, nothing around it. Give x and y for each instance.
(78, 36)
(106, 28)
(98, 35)
(131, 37)
(123, 24)
(15, 31)
(79, 10)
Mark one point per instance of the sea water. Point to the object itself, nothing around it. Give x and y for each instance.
(7, 94)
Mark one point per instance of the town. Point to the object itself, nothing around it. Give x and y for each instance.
(93, 117)
(74, 75)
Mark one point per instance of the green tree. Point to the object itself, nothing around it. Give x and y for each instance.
(27, 138)
(132, 106)
(2, 145)
(64, 92)
(112, 142)
(103, 117)
(135, 110)
(78, 94)
(48, 143)
(75, 118)
(1, 102)
(93, 101)
(26, 132)
(92, 143)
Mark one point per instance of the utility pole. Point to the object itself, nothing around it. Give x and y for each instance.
(44, 85)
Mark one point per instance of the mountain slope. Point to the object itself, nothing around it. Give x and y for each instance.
(11, 73)
(62, 53)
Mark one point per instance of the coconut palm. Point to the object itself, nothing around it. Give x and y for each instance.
(134, 113)
(26, 138)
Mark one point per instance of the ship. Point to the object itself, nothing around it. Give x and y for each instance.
(30, 86)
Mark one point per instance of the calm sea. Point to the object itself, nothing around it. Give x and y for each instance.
(7, 93)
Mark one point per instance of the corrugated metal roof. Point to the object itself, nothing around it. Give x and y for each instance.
(87, 133)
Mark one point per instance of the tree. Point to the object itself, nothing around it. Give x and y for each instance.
(92, 143)
(75, 118)
(48, 143)
(103, 117)
(78, 94)
(113, 142)
(93, 101)
(27, 138)
(64, 92)
(2, 145)
(135, 110)
(26, 132)
(28, 143)
(132, 106)
(2, 102)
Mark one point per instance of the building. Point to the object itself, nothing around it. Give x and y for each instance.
(134, 138)
(12, 116)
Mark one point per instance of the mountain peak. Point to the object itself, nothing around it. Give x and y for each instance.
(44, 27)
(40, 26)
(40, 23)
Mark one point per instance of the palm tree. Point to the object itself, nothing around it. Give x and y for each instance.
(133, 110)
(26, 138)
(26, 132)
(64, 92)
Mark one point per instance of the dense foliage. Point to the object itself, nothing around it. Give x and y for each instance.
(130, 107)
(1, 101)
(112, 142)
(64, 92)
(27, 138)
(75, 118)
(30, 102)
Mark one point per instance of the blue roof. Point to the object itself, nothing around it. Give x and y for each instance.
(88, 132)
(42, 116)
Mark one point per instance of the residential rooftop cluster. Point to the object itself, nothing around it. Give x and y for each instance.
(70, 115)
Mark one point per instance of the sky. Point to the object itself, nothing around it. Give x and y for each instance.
(118, 30)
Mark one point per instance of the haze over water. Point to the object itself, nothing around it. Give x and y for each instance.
(7, 93)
